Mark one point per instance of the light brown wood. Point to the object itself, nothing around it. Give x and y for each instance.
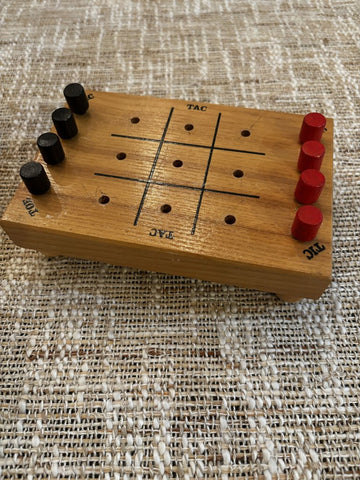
(193, 239)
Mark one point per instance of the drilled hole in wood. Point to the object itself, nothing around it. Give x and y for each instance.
(177, 163)
(245, 133)
(230, 219)
(104, 199)
(135, 120)
(121, 156)
(238, 173)
(165, 208)
(189, 127)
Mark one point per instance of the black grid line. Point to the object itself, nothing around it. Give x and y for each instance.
(201, 189)
(205, 176)
(153, 167)
(171, 142)
(175, 185)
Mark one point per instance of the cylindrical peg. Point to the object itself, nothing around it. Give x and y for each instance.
(50, 148)
(64, 123)
(312, 127)
(76, 98)
(35, 178)
(311, 155)
(306, 223)
(309, 186)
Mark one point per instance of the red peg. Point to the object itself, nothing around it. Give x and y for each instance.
(309, 186)
(312, 127)
(311, 155)
(307, 222)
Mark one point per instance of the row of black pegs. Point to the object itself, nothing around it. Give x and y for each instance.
(49, 144)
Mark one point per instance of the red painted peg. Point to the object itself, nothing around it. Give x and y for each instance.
(312, 127)
(309, 186)
(306, 223)
(311, 155)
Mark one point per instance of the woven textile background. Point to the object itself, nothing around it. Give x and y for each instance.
(112, 373)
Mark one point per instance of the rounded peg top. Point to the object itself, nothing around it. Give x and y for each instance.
(76, 98)
(50, 148)
(64, 123)
(309, 186)
(35, 178)
(311, 155)
(306, 223)
(312, 127)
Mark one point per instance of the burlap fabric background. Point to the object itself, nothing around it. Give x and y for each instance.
(110, 373)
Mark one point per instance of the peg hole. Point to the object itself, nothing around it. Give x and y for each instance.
(230, 219)
(104, 199)
(165, 208)
(135, 120)
(177, 163)
(238, 173)
(245, 133)
(189, 127)
(121, 156)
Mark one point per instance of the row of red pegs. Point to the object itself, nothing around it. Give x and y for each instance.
(308, 218)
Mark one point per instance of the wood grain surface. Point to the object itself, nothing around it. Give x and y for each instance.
(199, 190)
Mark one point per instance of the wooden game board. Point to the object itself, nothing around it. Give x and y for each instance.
(193, 189)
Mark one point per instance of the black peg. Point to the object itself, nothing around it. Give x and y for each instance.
(64, 122)
(35, 178)
(76, 98)
(50, 148)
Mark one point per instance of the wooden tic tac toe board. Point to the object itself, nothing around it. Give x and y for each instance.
(186, 188)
